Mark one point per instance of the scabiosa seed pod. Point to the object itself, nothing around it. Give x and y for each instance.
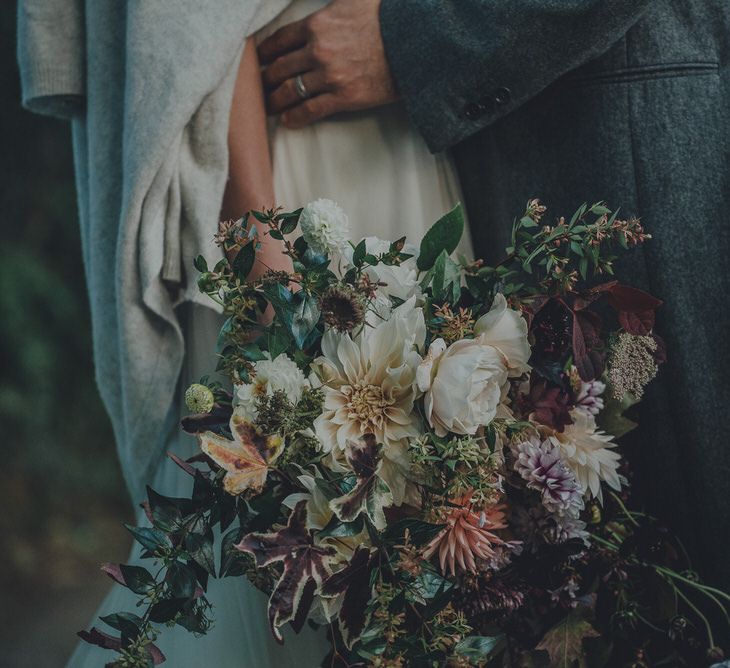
(342, 308)
(199, 398)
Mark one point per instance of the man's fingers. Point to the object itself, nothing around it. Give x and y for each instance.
(312, 110)
(286, 67)
(287, 38)
(286, 95)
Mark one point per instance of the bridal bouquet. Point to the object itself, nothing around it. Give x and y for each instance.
(420, 454)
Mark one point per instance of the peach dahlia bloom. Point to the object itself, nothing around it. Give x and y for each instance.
(467, 536)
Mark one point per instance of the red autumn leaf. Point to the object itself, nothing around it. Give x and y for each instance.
(305, 568)
(548, 404)
(354, 582)
(100, 639)
(114, 572)
(582, 358)
(625, 298)
(585, 299)
(638, 323)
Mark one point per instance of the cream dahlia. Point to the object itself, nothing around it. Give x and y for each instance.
(589, 453)
(369, 385)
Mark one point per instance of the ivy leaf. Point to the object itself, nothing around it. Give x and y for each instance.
(564, 641)
(370, 494)
(246, 458)
(354, 582)
(305, 568)
(444, 235)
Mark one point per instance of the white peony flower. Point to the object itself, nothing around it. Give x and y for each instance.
(505, 329)
(588, 451)
(279, 374)
(325, 226)
(369, 386)
(463, 385)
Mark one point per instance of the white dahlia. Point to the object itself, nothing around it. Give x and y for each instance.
(279, 374)
(369, 385)
(325, 226)
(589, 453)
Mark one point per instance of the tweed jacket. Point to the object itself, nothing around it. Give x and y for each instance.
(626, 101)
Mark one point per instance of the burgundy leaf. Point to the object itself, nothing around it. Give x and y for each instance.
(638, 323)
(590, 326)
(547, 403)
(582, 360)
(305, 567)
(156, 653)
(354, 582)
(145, 505)
(185, 466)
(101, 639)
(114, 572)
(585, 299)
(625, 298)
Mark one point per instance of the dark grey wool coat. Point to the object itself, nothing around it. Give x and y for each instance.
(622, 100)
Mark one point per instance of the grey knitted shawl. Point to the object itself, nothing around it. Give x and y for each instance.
(147, 86)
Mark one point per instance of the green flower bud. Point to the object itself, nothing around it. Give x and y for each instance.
(199, 398)
(205, 282)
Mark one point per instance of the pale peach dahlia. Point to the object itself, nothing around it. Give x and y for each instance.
(467, 536)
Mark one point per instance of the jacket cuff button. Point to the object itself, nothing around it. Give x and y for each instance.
(502, 96)
(473, 110)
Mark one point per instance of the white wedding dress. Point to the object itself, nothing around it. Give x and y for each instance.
(379, 170)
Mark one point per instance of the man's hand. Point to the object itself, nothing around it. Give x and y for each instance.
(338, 51)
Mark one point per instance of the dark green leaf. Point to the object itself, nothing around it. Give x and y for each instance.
(358, 254)
(149, 538)
(165, 610)
(138, 579)
(126, 622)
(181, 579)
(200, 548)
(479, 647)
(444, 235)
(243, 263)
(200, 264)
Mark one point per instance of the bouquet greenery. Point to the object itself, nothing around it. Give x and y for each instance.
(419, 454)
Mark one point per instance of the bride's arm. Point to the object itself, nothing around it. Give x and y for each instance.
(250, 183)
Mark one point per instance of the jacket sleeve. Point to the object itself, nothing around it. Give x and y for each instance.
(462, 64)
(51, 56)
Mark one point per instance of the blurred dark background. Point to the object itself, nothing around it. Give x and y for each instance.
(61, 492)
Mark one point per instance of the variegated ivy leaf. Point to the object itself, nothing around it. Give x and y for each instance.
(246, 458)
(370, 494)
(306, 566)
(353, 584)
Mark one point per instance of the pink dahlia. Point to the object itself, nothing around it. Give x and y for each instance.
(467, 536)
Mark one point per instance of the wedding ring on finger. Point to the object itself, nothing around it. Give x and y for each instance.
(301, 89)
